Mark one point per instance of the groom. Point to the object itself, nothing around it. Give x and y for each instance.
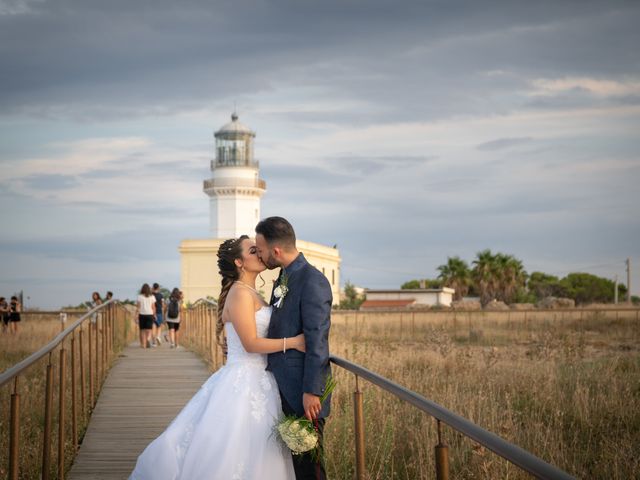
(302, 304)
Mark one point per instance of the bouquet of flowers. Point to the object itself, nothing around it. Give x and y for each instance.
(299, 433)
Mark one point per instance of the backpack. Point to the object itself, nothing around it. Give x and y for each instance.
(173, 311)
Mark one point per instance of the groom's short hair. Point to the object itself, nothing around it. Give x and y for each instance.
(277, 231)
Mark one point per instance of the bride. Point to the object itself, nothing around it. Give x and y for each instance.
(226, 431)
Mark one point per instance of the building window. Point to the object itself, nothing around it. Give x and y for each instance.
(323, 270)
(333, 277)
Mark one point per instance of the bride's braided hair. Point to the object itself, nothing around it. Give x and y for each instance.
(229, 251)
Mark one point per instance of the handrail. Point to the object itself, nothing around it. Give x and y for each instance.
(106, 333)
(514, 454)
(19, 367)
(211, 303)
(199, 332)
(199, 328)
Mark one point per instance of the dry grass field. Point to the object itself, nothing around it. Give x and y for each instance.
(564, 386)
(35, 331)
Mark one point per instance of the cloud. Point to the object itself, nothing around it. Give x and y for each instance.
(18, 7)
(49, 182)
(502, 143)
(402, 133)
(598, 87)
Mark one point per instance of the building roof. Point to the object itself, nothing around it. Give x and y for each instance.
(234, 127)
(411, 291)
(387, 303)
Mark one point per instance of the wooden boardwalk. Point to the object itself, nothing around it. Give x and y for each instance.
(144, 391)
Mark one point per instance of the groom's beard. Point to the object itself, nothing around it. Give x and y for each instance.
(270, 262)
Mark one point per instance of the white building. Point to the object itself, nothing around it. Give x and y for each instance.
(235, 189)
(408, 298)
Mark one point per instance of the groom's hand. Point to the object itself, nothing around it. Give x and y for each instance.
(312, 405)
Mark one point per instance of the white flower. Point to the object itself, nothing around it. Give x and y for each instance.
(298, 434)
(280, 292)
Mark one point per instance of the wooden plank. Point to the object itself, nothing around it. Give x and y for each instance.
(143, 393)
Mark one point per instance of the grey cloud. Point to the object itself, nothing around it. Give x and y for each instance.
(285, 174)
(335, 47)
(50, 182)
(578, 98)
(502, 143)
(127, 246)
(357, 164)
(151, 210)
(101, 174)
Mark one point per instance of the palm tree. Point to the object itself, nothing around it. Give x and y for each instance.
(455, 274)
(484, 275)
(515, 278)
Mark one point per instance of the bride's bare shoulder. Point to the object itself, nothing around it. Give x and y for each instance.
(239, 301)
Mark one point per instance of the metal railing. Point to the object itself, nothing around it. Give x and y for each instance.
(234, 182)
(92, 343)
(512, 453)
(199, 332)
(200, 325)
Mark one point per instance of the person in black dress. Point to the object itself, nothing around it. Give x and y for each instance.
(4, 314)
(14, 315)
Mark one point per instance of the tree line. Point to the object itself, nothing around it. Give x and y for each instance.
(502, 277)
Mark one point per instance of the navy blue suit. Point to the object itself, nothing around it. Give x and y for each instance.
(306, 308)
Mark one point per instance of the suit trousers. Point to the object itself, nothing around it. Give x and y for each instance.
(304, 465)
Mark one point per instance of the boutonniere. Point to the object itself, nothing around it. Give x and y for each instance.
(281, 290)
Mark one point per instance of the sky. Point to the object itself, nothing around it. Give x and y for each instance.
(403, 131)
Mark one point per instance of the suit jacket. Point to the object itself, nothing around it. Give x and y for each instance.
(306, 308)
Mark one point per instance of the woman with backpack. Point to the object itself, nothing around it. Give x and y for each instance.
(173, 316)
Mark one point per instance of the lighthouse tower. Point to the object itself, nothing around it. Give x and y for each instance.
(235, 186)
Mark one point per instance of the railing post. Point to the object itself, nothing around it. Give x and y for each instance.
(90, 342)
(413, 323)
(358, 414)
(98, 367)
(210, 325)
(74, 386)
(83, 400)
(62, 412)
(46, 435)
(442, 457)
(14, 433)
(103, 339)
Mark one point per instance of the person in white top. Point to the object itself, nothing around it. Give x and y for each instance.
(146, 313)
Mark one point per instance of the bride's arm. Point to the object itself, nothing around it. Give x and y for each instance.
(241, 312)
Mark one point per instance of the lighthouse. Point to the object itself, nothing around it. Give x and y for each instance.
(235, 186)
(235, 190)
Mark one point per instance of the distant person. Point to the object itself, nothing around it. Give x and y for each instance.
(174, 310)
(146, 313)
(108, 296)
(14, 315)
(5, 312)
(95, 299)
(159, 317)
(95, 302)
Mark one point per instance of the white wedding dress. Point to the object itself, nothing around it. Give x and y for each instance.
(227, 430)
